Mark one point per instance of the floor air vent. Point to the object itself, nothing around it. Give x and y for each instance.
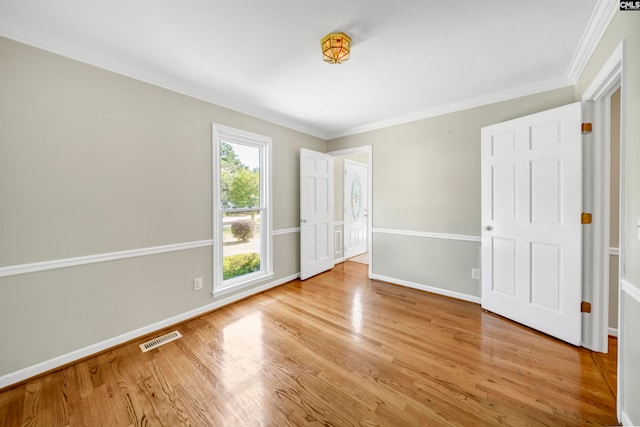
(157, 342)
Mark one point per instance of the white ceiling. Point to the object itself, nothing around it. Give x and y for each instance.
(409, 58)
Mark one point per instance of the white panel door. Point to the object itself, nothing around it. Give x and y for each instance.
(316, 213)
(355, 208)
(532, 233)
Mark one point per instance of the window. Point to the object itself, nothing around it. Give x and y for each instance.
(241, 211)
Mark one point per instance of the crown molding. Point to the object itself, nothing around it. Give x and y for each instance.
(492, 98)
(146, 77)
(597, 25)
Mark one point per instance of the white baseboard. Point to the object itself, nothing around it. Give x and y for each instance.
(73, 356)
(338, 260)
(613, 332)
(427, 288)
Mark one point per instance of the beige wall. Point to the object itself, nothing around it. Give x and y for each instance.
(94, 162)
(426, 178)
(626, 26)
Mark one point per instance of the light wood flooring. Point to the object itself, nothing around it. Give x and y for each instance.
(335, 350)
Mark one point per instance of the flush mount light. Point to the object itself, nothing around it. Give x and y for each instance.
(336, 48)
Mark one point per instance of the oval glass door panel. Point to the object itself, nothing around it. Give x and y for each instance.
(355, 197)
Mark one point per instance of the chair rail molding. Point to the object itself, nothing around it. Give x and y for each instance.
(13, 270)
(33, 267)
(630, 289)
(446, 236)
(292, 230)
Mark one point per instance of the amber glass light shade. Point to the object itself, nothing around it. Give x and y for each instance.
(336, 48)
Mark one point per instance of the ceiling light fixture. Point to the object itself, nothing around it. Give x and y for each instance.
(336, 48)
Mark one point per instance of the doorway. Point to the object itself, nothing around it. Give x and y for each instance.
(614, 212)
(605, 97)
(604, 172)
(362, 249)
(355, 210)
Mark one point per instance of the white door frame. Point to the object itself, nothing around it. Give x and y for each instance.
(369, 150)
(598, 94)
(608, 80)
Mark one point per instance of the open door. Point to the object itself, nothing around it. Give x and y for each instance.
(531, 217)
(316, 213)
(355, 208)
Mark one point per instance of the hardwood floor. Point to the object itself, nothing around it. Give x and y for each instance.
(335, 350)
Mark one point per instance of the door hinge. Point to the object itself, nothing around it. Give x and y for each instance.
(585, 307)
(586, 218)
(587, 128)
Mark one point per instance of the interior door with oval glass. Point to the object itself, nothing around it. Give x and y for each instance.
(355, 208)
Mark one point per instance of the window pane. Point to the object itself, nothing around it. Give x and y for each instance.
(239, 176)
(241, 248)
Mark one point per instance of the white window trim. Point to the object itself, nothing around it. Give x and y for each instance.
(220, 286)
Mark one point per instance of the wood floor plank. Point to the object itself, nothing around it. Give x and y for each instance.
(337, 350)
(11, 406)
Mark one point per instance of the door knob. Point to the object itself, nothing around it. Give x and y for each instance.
(487, 228)
(302, 221)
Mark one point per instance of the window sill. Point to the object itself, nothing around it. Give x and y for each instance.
(249, 282)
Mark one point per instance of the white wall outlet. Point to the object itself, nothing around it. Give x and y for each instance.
(197, 283)
(475, 273)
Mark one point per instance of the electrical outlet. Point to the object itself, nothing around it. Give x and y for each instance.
(197, 283)
(475, 273)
